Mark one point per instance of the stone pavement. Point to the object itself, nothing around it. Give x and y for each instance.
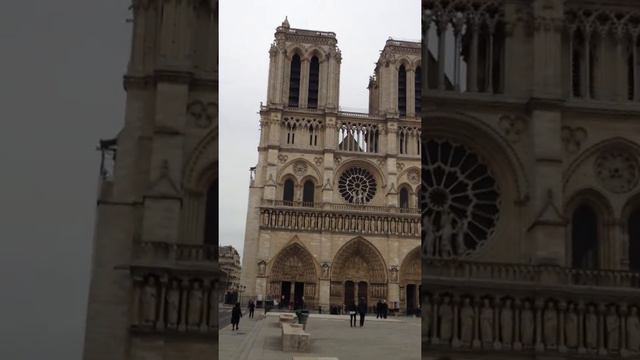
(331, 336)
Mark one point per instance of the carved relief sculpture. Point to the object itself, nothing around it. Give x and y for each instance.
(486, 322)
(617, 170)
(445, 320)
(633, 330)
(150, 301)
(196, 301)
(591, 328)
(506, 323)
(527, 325)
(466, 322)
(571, 327)
(550, 326)
(173, 304)
(612, 323)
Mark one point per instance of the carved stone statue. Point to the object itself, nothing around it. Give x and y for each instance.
(428, 315)
(633, 330)
(591, 328)
(150, 301)
(466, 322)
(550, 325)
(325, 270)
(461, 229)
(196, 300)
(527, 324)
(429, 237)
(173, 304)
(612, 323)
(446, 234)
(571, 327)
(486, 322)
(446, 320)
(506, 323)
(262, 267)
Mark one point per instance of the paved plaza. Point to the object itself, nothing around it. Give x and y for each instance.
(331, 336)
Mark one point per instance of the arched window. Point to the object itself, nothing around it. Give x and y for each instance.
(584, 238)
(308, 191)
(402, 91)
(287, 194)
(634, 240)
(211, 216)
(404, 198)
(294, 81)
(418, 92)
(314, 76)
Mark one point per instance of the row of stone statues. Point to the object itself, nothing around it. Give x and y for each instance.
(178, 304)
(520, 324)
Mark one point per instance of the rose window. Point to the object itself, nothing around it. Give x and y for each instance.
(617, 170)
(460, 204)
(357, 186)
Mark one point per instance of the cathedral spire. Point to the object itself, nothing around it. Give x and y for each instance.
(285, 23)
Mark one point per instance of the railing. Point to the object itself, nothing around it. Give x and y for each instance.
(512, 308)
(314, 220)
(341, 207)
(159, 252)
(547, 275)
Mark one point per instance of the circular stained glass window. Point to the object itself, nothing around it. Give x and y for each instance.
(460, 200)
(357, 186)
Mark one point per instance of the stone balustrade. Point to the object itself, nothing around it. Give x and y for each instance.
(174, 301)
(161, 252)
(544, 275)
(471, 306)
(315, 220)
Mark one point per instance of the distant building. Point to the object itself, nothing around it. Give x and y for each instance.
(229, 260)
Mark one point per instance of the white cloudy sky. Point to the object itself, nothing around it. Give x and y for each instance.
(246, 32)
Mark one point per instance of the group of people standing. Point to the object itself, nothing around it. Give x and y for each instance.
(354, 310)
(382, 309)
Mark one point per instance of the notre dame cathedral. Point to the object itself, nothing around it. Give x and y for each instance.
(531, 213)
(154, 268)
(333, 215)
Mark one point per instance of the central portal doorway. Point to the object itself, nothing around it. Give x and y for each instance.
(298, 293)
(349, 294)
(285, 294)
(411, 299)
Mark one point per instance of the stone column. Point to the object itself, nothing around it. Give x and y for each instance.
(455, 301)
(561, 329)
(163, 296)
(411, 92)
(581, 346)
(325, 294)
(538, 306)
(476, 344)
(304, 83)
(184, 299)
(517, 344)
(602, 313)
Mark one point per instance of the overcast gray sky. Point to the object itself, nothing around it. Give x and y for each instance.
(61, 68)
(246, 32)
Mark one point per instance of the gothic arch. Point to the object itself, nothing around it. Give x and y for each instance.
(486, 141)
(410, 270)
(293, 264)
(317, 52)
(287, 170)
(359, 260)
(616, 142)
(367, 164)
(594, 201)
(202, 167)
(403, 175)
(293, 50)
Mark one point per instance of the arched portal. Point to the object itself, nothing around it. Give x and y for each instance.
(584, 240)
(410, 282)
(293, 277)
(358, 273)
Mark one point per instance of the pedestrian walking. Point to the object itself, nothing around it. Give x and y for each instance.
(352, 315)
(379, 309)
(385, 309)
(362, 309)
(252, 308)
(236, 314)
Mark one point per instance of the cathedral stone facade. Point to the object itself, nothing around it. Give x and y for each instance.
(154, 265)
(531, 232)
(333, 204)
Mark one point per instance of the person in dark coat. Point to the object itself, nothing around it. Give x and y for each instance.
(362, 309)
(252, 308)
(352, 314)
(379, 309)
(385, 309)
(236, 314)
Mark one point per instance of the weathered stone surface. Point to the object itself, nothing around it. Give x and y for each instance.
(294, 339)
